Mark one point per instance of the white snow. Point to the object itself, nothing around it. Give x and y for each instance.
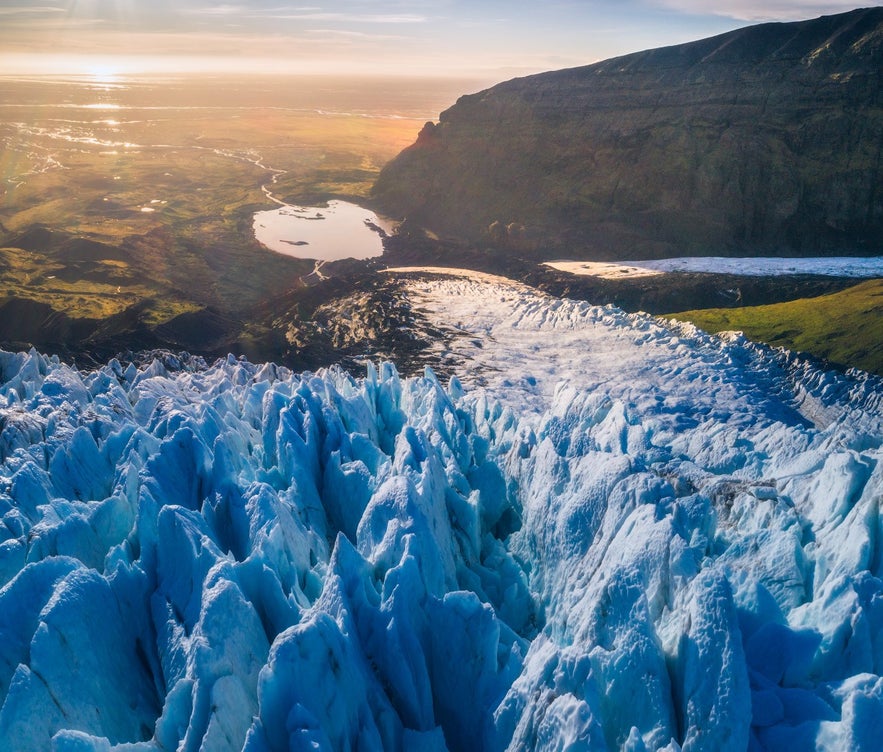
(609, 533)
(770, 266)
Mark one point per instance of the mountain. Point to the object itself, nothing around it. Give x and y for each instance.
(676, 547)
(764, 140)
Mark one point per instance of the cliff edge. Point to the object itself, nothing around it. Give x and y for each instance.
(764, 140)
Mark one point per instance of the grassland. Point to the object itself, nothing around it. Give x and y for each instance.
(844, 328)
(96, 289)
(144, 212)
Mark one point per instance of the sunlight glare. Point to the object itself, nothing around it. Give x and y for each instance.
(102, 73)
(103, 76)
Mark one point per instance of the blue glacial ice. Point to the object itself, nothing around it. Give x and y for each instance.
(686, 556)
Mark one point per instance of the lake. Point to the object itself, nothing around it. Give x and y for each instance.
(337, 231)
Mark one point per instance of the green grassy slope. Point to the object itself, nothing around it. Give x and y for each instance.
(845, 328)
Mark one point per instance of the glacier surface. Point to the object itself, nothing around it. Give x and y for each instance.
(613, 533)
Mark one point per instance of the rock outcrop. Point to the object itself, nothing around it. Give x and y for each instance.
(765, 140)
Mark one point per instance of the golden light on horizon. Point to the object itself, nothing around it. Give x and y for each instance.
(102, 69)
(102, 73)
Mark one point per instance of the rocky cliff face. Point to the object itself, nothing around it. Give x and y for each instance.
(763, 140)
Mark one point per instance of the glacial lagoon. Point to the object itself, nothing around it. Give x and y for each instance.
(339, 230)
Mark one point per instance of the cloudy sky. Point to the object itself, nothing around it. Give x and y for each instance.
(487, 38)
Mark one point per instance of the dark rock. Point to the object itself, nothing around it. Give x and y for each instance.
(202, 330)
(765, 140)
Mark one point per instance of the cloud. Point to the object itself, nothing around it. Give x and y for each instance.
(29, 10)
(217, 10)
(378, 18)
(295, 16)
(759, 10)
(360, 35)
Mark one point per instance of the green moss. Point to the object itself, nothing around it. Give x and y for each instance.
(845, 328)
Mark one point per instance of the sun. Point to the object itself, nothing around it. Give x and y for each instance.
(102, 73)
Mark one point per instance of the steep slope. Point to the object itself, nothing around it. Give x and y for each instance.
(763, 140)
(845, 328)
(675, 548)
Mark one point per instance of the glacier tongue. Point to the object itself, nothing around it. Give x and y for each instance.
(614, 534)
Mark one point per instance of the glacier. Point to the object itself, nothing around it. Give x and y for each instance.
(607, 532)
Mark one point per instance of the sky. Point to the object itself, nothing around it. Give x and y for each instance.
(491, 39)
